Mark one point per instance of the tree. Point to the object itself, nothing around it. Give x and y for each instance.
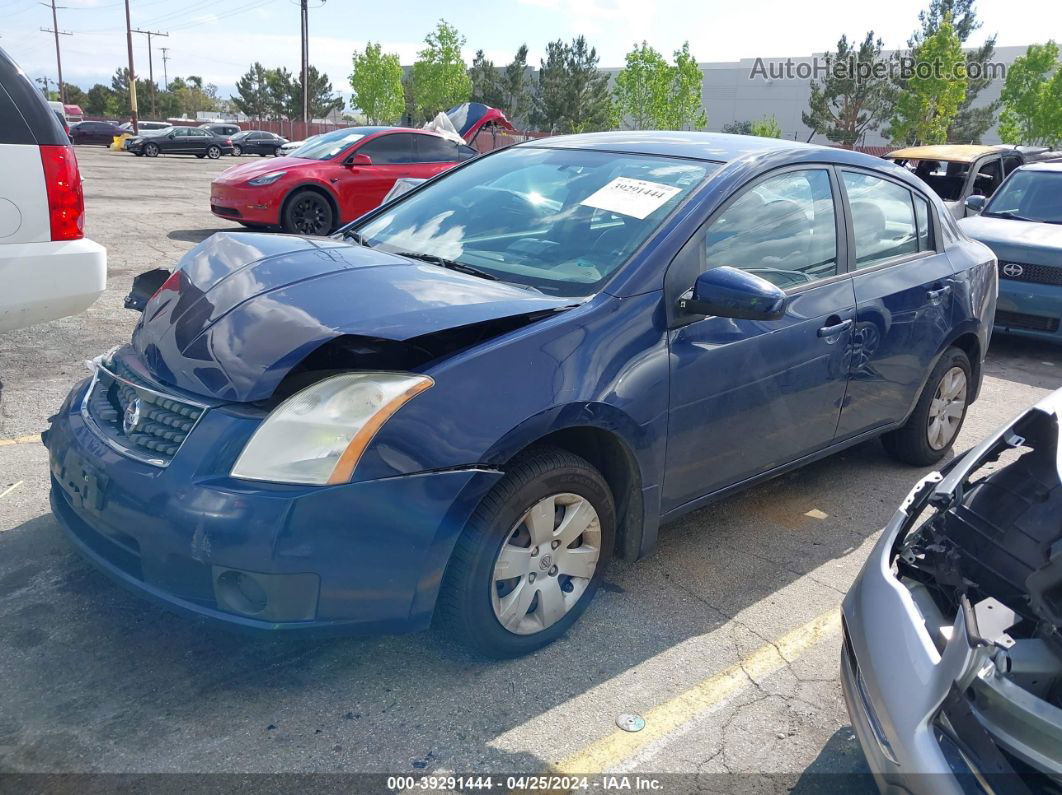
(856, 95)
(767, 127)
(486, 82)
(1032, 97)
(323, 100)
(440, 78)
(516, 87)
(643, 89)
(573, 94)
(377, 85)
(120, 88)
(74, 94)
(100, 101)
(253, 94)
(280, 88)
(687, 82)
(970, 123)
(934, 92)
(738, 128)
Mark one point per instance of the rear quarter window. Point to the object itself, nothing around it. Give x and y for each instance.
(25, 117)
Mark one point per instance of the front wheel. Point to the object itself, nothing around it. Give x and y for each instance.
(151, 150)
(236, 150)
(213, 152)
(307, 213)
(531, 557)
(277, 152)
(938, 416)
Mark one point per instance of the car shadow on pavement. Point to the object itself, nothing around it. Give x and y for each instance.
(1031, 362)
(98, 679)
(840, 767)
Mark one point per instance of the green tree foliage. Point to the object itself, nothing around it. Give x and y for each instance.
(323, 100)
(767, 127)
(487, 82)
(252, 95)
(572, 96)
(1032, 98)
(738, 128)
(928, 105)
(643, 89)
(377, 85)
(856, 95)
(100, 101)
(969, 123)
(651, 94)
(516, 88)
(440, 78)
(280, 90)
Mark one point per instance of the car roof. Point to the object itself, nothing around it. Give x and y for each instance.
(1044, 165)
(717, 147)
(957, 153)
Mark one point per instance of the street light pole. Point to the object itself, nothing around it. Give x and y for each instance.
(305, 10)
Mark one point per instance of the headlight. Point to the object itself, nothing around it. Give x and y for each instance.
(267, 179)
(317, 435)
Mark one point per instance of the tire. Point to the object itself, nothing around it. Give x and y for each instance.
(488, 613)
(938, 416)
(276, 152)
(213, 152)
(236, 150)
(307, 212)
(151, 150)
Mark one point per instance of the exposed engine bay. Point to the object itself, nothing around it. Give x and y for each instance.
(993, 549)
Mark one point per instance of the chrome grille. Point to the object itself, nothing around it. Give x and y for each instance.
(136, 419)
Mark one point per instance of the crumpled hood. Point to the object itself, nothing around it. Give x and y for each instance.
(1030, 242)
(242, 309)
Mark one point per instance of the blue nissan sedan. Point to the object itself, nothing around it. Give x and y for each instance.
(463, 405)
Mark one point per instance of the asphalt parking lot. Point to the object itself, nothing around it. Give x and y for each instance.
(726, 640)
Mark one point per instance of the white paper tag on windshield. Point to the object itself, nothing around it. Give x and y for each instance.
(634, 197)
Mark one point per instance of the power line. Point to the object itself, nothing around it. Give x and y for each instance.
(58, 58)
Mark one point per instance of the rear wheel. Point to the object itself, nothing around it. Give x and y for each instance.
(151, 150)
(938, 416)
(277, 152)
(213, 152)
(308, 213)
(531, 557)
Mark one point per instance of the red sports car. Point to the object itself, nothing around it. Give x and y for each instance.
(332, 179)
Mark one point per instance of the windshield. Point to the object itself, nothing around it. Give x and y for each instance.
(1030, 196)
(328, 145)
(558, 220)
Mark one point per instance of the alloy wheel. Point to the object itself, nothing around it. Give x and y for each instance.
(946, 410)
(214, 152)
(546, 563)
(310, 216)
(276, 152)
(151, 150)
(236, 150)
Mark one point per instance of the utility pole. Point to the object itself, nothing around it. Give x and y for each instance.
(304, 6)
(132, 73)
(165, 75)
(58, 59)
(151, 66)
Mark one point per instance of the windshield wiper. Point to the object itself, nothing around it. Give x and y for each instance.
(1010, 216)
(357, 237)
(449, 264)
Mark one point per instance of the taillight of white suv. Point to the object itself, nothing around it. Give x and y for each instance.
(66, 199)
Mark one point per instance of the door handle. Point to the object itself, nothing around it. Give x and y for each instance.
(938, 295)
(836, 328)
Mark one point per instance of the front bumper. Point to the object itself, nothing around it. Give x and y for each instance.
(1029, 309)
(360, 557)
(248, 204)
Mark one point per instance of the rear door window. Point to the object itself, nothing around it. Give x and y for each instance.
(883, 219)
(431, 149)
(390, 149)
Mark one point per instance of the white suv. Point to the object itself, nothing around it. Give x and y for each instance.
(48, 269)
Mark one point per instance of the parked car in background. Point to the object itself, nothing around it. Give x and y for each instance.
(332, 180)
(62, 123)
(291, 146)
(94, 132)
(145, 126)
(257, 142)
(48, 269)
(466, 402)
(224, 129)
(180, 141)
(957, 171)
(952, 660)
(1022, 224)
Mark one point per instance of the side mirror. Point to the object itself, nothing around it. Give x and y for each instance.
(730, 292)
(359, 160)
(975, 203)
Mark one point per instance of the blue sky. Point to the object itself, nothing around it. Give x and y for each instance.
(219, 40)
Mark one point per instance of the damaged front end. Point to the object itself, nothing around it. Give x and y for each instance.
(987, 564)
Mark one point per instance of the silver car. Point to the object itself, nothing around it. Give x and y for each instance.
(952, 659)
